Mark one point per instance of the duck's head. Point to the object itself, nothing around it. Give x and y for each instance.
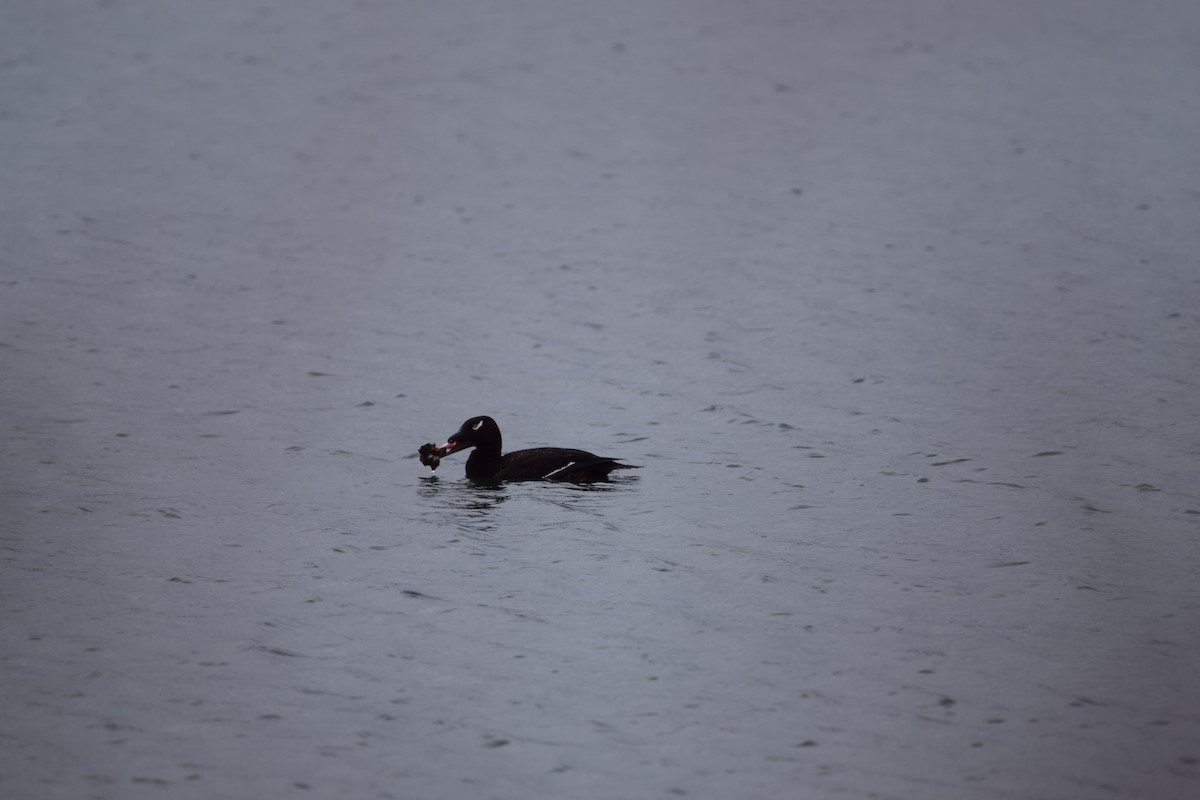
(475, 432)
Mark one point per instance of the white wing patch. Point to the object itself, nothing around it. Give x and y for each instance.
(554, 472)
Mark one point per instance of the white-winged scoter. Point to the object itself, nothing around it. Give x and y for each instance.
(534, 464)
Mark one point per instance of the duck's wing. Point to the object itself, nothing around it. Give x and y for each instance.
(555, 464)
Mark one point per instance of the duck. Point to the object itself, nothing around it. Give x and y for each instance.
(535, 464)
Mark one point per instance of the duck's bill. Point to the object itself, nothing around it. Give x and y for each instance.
(446, 449)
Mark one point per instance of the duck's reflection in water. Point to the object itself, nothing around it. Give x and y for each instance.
(465, 504)
(471, 506)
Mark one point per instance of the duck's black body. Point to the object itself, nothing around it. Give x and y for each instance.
(535, 464)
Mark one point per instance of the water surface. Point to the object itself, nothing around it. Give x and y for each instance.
(894, 308)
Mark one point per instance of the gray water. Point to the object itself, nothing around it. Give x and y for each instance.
(894, 304)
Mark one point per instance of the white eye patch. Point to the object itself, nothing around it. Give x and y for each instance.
(477, 425)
